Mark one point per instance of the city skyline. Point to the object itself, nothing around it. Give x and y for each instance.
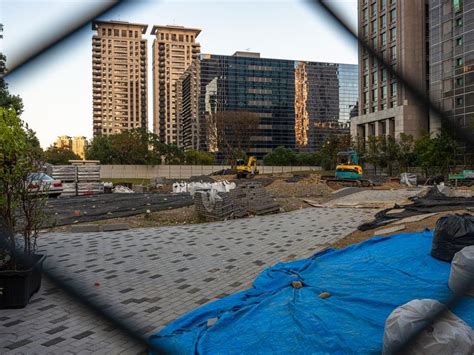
(74, 55)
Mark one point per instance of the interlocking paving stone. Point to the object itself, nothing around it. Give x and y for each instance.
(217, 259)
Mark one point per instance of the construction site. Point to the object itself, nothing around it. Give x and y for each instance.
(151, 250)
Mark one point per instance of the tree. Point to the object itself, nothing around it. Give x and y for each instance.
(436, 155)
(231, 131)
(174, 155)
(308, 159)
(21, 209)
(280, 156)
(406, 147)
(372, 155)
(8, 100)
(196, 157)
(101, 149)
(389, 152)
(59, 156)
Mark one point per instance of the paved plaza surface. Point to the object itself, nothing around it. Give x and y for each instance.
(151, 276)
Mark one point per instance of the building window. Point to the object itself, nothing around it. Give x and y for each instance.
(374, 78)
(393, 15)
(383, 21)
(459, 62)
(460, 81)
(374, 94)
(459, 101)
(459, 22)
(366, 63)
(384, 38)
(459, 41)
(393, 53)
(384, 92)
(383, 3)
(373, 26)
(365, 13)
(393, 34)
(373, 9)
(116, 33)
(366, 81)
(393, 89)
(457, 5)
(384, 75)
(365, 30)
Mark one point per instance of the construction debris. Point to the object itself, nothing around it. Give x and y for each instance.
(431, 202)
(215, 206)
(120, 189)
(252, 197)
(193, 187)
(248, 198)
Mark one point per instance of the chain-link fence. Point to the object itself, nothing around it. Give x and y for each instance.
(56, 276)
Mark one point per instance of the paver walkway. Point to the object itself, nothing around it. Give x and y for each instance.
(152, 276)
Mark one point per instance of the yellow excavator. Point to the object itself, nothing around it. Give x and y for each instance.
(246, 170)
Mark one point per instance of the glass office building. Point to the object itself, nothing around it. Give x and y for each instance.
(291, 99)
(452, 61)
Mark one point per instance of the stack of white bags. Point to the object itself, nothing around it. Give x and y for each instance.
(193, 187)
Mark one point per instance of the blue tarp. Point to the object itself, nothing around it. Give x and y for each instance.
(367, 281)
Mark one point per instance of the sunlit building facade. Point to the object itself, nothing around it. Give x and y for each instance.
(288, 96)
(174, 49)
(119, 77)
(77, 144)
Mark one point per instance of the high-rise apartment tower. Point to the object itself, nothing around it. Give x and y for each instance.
(174, 49)
(119, 77)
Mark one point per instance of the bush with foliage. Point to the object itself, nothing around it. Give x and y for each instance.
(21, 208)
(59, 156)
(136, 146)
(196, 157)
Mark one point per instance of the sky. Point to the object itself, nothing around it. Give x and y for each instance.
(56, 87)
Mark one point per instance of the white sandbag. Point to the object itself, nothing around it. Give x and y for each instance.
(448, 335)
(408, 179)
(462, 271)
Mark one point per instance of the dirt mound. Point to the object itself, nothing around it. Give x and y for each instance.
(310, 186)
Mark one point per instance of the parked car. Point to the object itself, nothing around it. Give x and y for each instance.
(44, 184)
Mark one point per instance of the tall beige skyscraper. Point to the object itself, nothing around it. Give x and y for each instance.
(119, 77)
(174, 49)
(397, 29)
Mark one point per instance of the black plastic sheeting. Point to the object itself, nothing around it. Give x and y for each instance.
(433, 201)
(78, 209)
(452, 233)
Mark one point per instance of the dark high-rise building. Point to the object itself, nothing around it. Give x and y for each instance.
(452, 60)
(289, 98)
